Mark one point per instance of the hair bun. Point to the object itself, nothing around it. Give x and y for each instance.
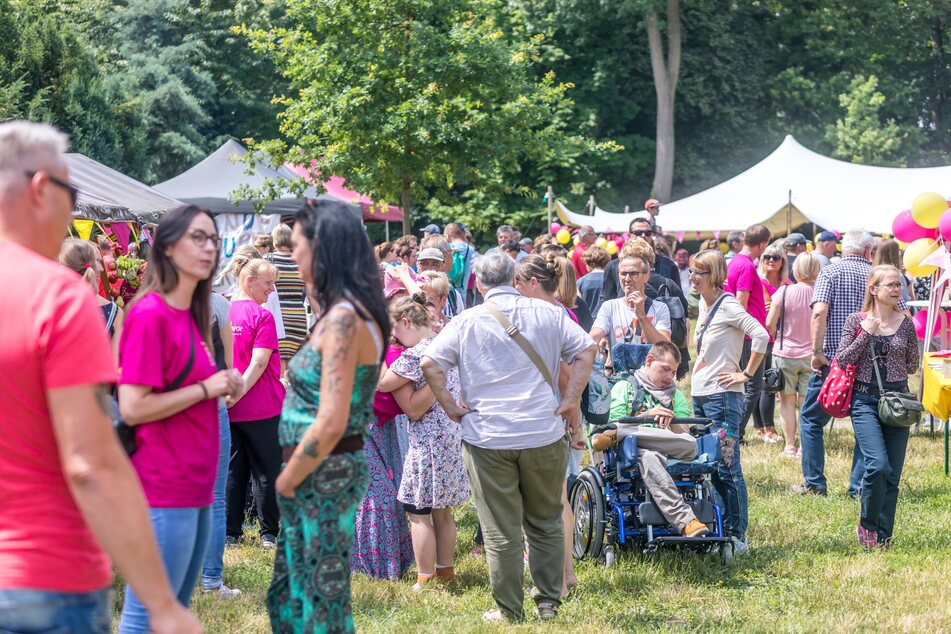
(420, 298)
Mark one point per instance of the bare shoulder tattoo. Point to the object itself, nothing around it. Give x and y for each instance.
(341, 328)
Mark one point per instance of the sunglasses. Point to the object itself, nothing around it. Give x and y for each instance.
(772, 258)
(59, 182)
(692, 272)
(642, 233)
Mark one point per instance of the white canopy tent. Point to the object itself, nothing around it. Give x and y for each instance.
(830, 193)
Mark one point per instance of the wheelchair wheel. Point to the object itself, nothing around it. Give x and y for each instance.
(726, 554)
(587, 504)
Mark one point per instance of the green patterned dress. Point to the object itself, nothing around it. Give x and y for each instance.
(310, 591)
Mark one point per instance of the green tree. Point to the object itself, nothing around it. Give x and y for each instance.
(412, 98)
(861, 136)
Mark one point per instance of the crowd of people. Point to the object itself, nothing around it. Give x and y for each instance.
(363, 394)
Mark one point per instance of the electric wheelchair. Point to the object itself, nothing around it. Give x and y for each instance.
(614, 509)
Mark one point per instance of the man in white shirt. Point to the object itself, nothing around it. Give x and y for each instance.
(513, 428)
(682, 260)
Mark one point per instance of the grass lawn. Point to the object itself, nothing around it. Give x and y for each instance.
(805, 571)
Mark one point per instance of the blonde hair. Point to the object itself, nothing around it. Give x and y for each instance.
(545, 269)
(774, 249)
(242, 255)
(567, 291)
(594, 257)
(247, 262)
(875, 278)
(281, 236)
(712, 261)
(80, 256)
(806, 267)
(640, 248)
(411, 309)
(438, 282)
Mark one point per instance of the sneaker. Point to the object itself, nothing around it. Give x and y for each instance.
(223, 591)
(740, 546)
(602, 442)
(790, 452)
(421, 581)
(867, 538)
(231, 542)
(547, 611)
(268, 542)
(802, 489)
(695, 528)
(770, 437)
(493, 616)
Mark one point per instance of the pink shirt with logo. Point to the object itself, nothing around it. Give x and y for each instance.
(253, 327)
(795, 301)
(53, 337)
(175, 457)
(741, 275)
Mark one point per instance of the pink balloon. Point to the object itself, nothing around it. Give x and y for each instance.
(555, 227)
(921, 322)
(619, 242)
(906, 229)
(944, 225)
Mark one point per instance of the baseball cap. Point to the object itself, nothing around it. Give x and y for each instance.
(825, 236)
(650, 202)
(432, 229)
(795, 239)
(430, 253)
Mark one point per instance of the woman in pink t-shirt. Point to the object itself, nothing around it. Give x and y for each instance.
(254, 415)
(168, 392)
(788, 323)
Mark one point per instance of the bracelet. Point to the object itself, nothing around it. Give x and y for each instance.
(609, 367)
(204, 390)
(747, 375)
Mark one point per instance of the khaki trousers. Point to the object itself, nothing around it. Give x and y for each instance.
(516, 490)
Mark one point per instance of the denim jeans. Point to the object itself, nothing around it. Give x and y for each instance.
(182, 537)
(214, 565)
(752, 389)
(884, 451)
(729, 487)
(812, 422)
(43, 612)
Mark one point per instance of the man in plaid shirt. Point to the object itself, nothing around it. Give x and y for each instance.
(839, 292)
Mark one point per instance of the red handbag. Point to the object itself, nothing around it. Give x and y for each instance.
(835, 397)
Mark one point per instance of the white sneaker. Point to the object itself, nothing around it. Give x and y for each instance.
(223, 592)
(740, 547)
(493, 616)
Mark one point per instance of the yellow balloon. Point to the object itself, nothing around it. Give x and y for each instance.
(611, 248)
(575, 239)
(927, 209)
(601, 242)
(724, 247)
(563, 236)
(915, 253)
(571, 254)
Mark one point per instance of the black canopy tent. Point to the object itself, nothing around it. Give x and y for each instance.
(106, 195)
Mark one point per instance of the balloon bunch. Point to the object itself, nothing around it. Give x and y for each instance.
(921, 227)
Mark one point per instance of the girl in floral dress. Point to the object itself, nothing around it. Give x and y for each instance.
(434, 478)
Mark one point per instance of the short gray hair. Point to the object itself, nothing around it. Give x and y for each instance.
(504, 229)
(495, 269)
(436, 241)
(27, 146)
(855, 241)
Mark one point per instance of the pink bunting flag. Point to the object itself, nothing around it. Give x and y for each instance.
(716, 234)
(122, 231)
(698, 235)
(680, 236)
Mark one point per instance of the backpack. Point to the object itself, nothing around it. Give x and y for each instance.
(678, 316)
(459, 268)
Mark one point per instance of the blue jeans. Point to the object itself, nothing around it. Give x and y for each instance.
(43, 612)
(812, 422)
(884, 451)
(211, 572)
(182, 537)
(729, 487)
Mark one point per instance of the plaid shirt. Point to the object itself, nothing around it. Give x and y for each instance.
(841, 285)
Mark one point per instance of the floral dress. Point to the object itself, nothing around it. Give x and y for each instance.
(433, 473)
(310, 590)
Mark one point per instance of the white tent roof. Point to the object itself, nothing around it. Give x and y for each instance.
(832, 194)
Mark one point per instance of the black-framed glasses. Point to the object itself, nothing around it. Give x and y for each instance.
(59, 182)
(642, 233)
(630, 273)
(692, 272)
(772, 258)
(200, 238)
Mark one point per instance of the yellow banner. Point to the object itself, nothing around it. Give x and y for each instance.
(84, 228)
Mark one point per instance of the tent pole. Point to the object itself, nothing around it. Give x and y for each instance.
(550, 197)
(789, 214)
(387, 223)
(591, 205)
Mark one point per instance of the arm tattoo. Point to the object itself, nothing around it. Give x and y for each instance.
(341, 327)
(311, 447)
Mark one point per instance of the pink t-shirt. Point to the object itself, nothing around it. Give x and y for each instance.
(53, 337)
(253, 327)
(796, 339)
(741, 275)
(175, 457)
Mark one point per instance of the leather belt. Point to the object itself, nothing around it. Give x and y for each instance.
(347, 444)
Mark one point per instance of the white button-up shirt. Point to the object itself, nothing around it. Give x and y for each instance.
(513, 407)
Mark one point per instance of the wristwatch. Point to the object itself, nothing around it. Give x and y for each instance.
(747, 375)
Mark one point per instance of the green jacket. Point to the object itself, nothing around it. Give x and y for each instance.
(621, 396)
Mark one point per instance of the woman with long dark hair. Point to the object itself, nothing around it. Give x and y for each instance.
(326, 413)
(168, 391)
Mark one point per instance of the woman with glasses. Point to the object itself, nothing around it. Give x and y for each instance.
(774, 274)
(718, 379)
(168, 393)
(880, 334)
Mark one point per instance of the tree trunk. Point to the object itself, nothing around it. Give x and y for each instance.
(404, 205)
(937, 110)
(666, 71)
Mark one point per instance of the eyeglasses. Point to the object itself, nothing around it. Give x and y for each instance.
(642, 233)
(630, 273)
(59, 182)
(772, 258)
(692, 272)
(200, 239)
(892, 287)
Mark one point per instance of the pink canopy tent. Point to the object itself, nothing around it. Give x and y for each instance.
(336, 189)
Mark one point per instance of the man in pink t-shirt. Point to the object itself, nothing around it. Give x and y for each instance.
(68, 492)
(586, 237)
(743, 281)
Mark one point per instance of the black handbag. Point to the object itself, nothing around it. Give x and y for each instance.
(126, 432)
(896, 409)
(773, 379)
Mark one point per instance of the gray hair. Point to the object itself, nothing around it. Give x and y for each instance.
(495, 269)
(637, 256)
(436, 241)
(855, 241)
(734, 236)
(26, 146)
(503, 229)
(586, 230)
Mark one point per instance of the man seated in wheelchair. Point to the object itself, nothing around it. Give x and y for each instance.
(650, 392)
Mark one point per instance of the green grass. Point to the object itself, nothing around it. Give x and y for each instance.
(805, 572)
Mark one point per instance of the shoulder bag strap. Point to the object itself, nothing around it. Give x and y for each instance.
(878, 375)
(177, 383)
(782, 316)
(706, 324)
(112, 315)
(512, 331)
